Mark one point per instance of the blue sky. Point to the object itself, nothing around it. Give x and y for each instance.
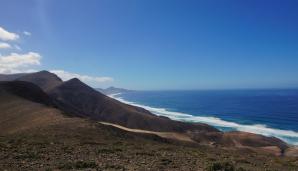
(153, 44)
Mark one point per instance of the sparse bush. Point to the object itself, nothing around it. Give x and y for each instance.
(144, 154)
(66, 166)
(108, 150)
(78, 165)
(114, 167)
(27, 155)
(166, 161)
(221, 167)
(83, 165)
(240, 169)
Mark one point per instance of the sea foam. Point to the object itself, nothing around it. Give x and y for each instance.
(288, 136)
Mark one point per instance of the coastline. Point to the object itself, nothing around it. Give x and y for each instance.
(285, 135)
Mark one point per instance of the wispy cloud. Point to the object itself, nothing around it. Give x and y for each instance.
(64, 75)
(16, 63)
(26, 33)
(7, 36)
(4, 45)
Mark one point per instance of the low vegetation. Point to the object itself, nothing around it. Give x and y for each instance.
(64, 148)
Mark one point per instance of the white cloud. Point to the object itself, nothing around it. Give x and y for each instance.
(4, 45)
(16, 63)
(6, 36)
(26, 63)
(26, 33)
(64, 75)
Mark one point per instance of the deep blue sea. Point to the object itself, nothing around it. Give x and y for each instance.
(267, 112)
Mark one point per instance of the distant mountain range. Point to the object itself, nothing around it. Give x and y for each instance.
(75, 98)
(112, 90)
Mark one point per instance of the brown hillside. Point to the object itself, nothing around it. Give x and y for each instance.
(35, 136)
(95, 105)
(44, 79)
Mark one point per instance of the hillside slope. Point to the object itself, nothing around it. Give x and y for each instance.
(10, 77)
(23, 105)
(95, 105)
(78, 99)
(36, 136)
(44, 79)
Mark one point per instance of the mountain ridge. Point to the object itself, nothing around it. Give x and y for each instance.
(37, 136)
(78, 99)
(101, 107)
(44, 79)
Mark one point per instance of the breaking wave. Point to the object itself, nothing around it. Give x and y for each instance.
(288, 136)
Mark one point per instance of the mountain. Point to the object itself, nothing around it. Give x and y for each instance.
(78, 99)
(25, 90)
(10, 77)
(75, 98)
(34, 135)
(23, 105)
(44, 79)
(112, 90)
(99, 107)
(95, 105)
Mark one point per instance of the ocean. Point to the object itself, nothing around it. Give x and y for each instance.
(267, 112)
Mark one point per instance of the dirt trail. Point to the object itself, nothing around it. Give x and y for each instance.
(168, 135)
